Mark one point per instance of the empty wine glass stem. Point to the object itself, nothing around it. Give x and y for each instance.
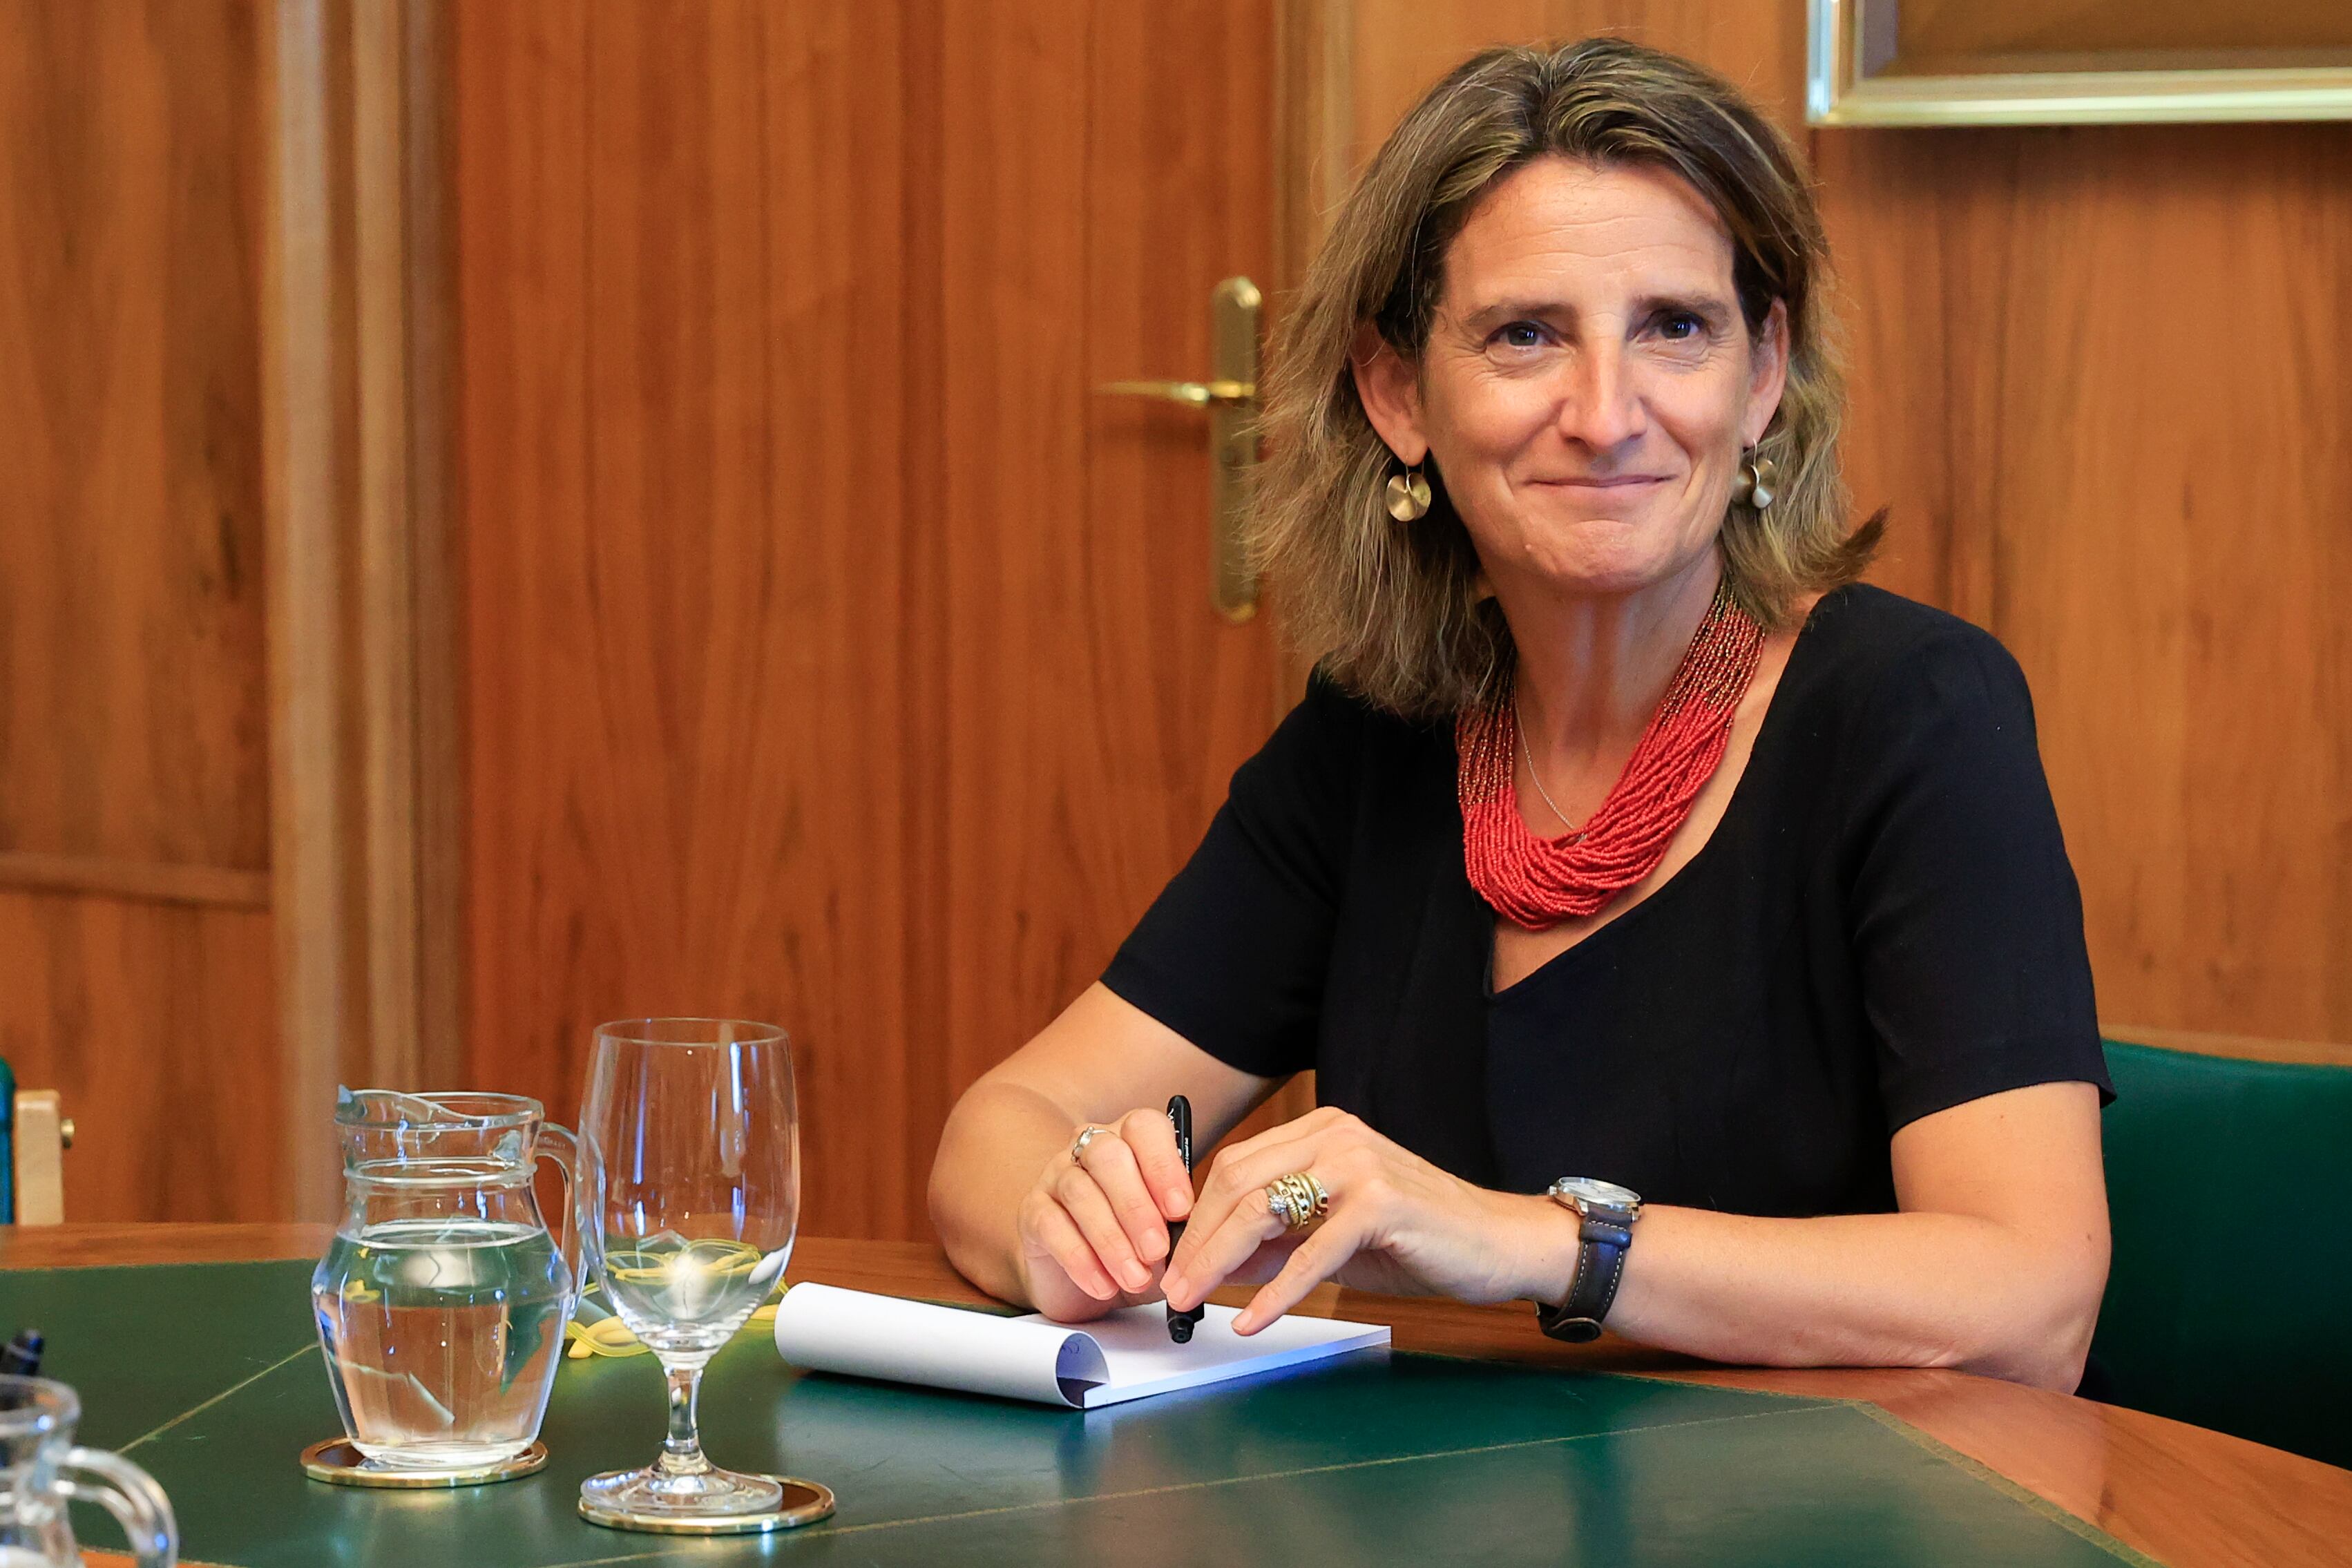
(682, 1449)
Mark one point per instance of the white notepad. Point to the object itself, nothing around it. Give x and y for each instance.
(1125, 1355)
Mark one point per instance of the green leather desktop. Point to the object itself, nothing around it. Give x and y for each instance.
(2230, 1301)
(209, 1375)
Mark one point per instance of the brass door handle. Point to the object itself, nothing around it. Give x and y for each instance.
(1191, 393)
(1230, 397)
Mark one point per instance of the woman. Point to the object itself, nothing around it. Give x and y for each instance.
(1621, 837)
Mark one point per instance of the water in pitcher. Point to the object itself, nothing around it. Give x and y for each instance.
(443, 1337)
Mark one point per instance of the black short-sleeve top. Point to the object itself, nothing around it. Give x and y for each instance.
(1883, 924)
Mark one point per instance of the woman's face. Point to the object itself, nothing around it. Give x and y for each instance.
(1589, 382)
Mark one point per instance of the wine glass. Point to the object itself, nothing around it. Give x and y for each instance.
(688, 1200)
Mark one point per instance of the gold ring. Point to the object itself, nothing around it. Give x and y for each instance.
(1086, 1136)
(1297, 1200)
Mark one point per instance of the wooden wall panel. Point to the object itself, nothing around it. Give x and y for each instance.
(156, 1026)
(135, 958)
(684, 633)
(1400, 47)
(2135, 362)
(835, 656)
(130, 640)
(855, 643)
(1011, 163)
(1904, 432)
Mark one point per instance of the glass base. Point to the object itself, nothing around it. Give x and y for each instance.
(340, 1462)
(713, 1502)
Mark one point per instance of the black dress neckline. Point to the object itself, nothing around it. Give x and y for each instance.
(1767, 736)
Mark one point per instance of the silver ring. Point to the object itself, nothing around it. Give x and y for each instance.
(1086, 1135)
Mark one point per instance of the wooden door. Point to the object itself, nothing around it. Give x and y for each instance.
(836, 656)
(136, 932)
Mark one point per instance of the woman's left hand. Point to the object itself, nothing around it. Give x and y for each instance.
(1397, 1224)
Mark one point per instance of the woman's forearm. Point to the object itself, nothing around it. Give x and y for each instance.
(1882, 1290)
(1994, 1264)
(1024, 1222)
(998, 1138)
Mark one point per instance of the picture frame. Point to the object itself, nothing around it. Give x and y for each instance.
(2029, 62)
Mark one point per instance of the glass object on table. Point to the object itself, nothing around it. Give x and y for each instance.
(689, 1198)
(41, 1471)
(442, 1300)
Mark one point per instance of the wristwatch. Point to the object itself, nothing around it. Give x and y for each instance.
(1608, 1212)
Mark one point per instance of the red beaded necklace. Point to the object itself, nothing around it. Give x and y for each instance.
(1537, 882)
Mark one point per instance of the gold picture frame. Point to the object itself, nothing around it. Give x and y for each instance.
(1866, 64)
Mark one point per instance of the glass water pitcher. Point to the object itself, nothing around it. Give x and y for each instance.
(41, 1471)
(441, 1301)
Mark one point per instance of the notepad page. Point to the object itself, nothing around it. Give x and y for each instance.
(1141, 1360)
(1124, 1355)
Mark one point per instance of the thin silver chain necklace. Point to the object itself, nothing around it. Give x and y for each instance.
(1519, 732)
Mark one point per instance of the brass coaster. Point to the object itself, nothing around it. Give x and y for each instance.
(804, 1502)
(337, 1462)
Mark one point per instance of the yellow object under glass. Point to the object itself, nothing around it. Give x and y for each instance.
(610, 1336)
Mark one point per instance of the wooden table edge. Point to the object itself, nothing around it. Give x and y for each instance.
(2148, 1481)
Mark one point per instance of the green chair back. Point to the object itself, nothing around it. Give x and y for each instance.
(2230, 1301)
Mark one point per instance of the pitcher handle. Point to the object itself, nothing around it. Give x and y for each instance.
(132, 1496)
(588, 1213)
(562, 1145)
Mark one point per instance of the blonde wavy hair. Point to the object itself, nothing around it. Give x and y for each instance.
(1392, 610)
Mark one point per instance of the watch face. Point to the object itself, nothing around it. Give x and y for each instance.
(1593, 1190)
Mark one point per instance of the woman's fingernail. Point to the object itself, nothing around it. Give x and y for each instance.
(1177, 1202)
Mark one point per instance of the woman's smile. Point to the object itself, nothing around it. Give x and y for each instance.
(1603, 483)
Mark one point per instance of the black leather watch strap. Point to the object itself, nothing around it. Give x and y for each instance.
(1600, 1264)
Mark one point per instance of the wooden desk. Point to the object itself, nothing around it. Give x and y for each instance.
(2187, 1497)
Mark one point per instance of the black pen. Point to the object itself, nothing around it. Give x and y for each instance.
(1180, 1112)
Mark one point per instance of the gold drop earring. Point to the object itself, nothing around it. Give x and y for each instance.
(1756, 484)
(1407, 495)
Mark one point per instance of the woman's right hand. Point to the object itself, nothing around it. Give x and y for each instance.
(1093, 1231)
